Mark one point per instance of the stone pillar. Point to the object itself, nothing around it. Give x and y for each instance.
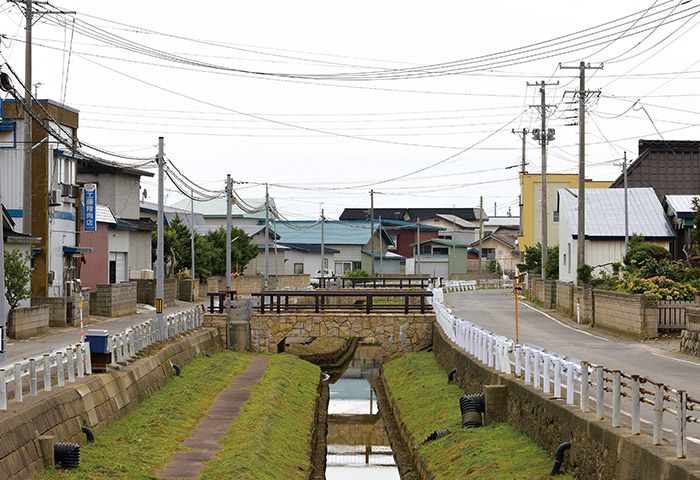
(495, 404)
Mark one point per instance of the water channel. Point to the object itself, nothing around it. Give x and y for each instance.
(358, 446)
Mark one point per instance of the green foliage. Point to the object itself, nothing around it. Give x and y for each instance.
(177, 252)
(270, 438)
(583, 273)
(551, 270)
(661, 288)
(356, 276)
(642, 253)
(494, 452)
(17, 276)
(634, 241)
(134, 447)
(533, 259)
(495, 267)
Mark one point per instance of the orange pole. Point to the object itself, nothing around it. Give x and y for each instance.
(515, 294)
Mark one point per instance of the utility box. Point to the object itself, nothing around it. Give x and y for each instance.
(98, 340)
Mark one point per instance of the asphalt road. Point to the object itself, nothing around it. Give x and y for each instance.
(495, 311)
(60, 337)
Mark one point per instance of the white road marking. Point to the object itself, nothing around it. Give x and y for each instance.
(564, 324)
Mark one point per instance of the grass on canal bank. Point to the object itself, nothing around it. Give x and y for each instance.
(270, 439)
(134, 447)
(428, 403)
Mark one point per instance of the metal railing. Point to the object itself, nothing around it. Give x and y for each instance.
(550, 372)
(466, 285)
(367, 301)
(73, 361)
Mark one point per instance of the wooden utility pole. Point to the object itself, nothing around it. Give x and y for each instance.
(371, 227)
(581, 240)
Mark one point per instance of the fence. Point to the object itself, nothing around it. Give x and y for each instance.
(465, 285)
(672, 314)
(549, 371)
(73, 361)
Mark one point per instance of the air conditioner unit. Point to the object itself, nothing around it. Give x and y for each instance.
(55, 197)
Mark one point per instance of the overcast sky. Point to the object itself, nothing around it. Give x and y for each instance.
(298, 121)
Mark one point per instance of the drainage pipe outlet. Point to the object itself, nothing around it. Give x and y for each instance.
(559, 457)
(472, 407)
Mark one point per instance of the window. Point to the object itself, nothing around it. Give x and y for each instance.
(356, 265)
(441, 251)
(569, 267)
(394, 238)
(425, 249)
(489, 253)
(298, 268)
(555, 216)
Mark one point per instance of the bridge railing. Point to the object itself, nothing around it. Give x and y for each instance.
(367, 301)
(73, 361)
(388, 282)
(550, 371)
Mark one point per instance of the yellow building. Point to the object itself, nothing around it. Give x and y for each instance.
(531, 206)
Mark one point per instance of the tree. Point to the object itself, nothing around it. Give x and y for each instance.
(177, 251)
(210, 251)
(495, 267)
(17, 276)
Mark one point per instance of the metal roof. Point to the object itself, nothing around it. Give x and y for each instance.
(216, 208)
(456, 220)
(104, 214)
(605, 213)
(680, 203)
(335, 233)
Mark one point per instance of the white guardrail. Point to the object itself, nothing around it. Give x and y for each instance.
(549, 371)
(73, 361)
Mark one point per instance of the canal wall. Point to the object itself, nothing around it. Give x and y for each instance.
(92, 401)
(599, 450)
(397, 333)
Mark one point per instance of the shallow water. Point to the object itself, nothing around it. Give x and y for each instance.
(358, 448)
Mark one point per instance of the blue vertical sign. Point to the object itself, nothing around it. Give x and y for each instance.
(89, 201)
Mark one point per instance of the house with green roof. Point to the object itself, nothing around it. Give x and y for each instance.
(353, 241)
(438, 257)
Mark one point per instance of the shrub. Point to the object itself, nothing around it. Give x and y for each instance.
(583, 273)
(495, 267)
(661, 288)
(639, 255)
(356, 275)
(551, 270)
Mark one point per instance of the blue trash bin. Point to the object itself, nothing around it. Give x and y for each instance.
(98, 340)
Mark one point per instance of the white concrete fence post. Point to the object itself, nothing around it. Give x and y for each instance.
(599, 392)
(658, 414)
(32, 378)
(616, 399)
(47, 373)
(585, 400)
(60, 374)
(635, 422)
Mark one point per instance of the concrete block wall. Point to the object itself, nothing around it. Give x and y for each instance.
(690, 337)
(632, 314)
(93, 401)
(565, 305)
(57, 309)
(28, 322)
(115, 300)
(251, 283)
(184, 291)
(584, 295)
(73, 307)
(146, 291)
(599, 451)
(293, 281)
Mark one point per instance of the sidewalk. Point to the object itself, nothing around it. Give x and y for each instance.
(59, 337)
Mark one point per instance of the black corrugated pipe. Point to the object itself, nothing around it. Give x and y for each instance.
(88, 433)
(66, 454)
(451, 375)
(559, 457)
(472, 406)
(176, 368)
(435, 435)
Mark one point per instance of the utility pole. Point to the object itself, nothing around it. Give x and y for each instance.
(416, 262)
(624, 174)
(582, 93)
(194, 296)
(266, 283)
(371, 227)
(481, 229)
(544, 136)
(27, 120)
(229, 197)
(160, 264)
(322, 282)
(454, 246)
(3, 312)
(381, 249)
(524, 139)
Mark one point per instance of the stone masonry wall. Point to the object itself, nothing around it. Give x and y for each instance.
(632, 314)
(690, 337)
(391, 330)
(146, 291)
(116, 300)
(28, 322)
(599, 451)
(93, 401)
(57, 309)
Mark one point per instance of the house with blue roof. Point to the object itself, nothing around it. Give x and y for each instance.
(605, 226)
(353, 241)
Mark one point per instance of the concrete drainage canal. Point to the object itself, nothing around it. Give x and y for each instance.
(357, 442)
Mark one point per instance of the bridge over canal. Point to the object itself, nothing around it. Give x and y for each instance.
(398, 320)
